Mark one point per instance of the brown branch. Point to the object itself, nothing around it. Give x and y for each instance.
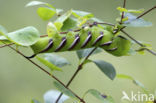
(152, 52)
(6, 45)
(47, 73)
(122, 16)
(146, 12)
(77, 71)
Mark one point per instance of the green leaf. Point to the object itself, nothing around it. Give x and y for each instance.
(123, 76)
(46, 13)
(25, 37)
(51, 66)
(136, 82)
(35, 101)
(83, 53)
(134, 22)
(61, 88)
(56, 60)
(107, 68)
(60, 21)
(51, 30)
(81, 21)
(103, 98)
(36, 3)
(52, 95)
(70, 23)
(122, 9)
(58, 11)
(2, 30)
(3, 38)
(84, 14)
(136, 11)
(129, 11)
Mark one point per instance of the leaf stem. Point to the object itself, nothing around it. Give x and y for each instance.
(77, 71)
(46, 73)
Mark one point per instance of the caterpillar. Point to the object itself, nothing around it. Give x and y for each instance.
(87, 37)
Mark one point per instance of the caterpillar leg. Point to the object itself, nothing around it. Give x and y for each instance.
(50, 44)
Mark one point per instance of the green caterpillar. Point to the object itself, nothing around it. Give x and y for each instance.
(87, 37)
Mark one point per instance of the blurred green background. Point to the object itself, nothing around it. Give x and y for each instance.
(20, 81)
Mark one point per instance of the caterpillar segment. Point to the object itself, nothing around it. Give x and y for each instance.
(92, 37)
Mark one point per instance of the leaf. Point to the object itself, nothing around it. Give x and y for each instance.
(136, 82)
(106, 68)
(81, 21)
(70, 23)
(25, 37)
(2, 30)
(136, 11)
(60, 21)
(51, 66)
(3, 38)
(61, 88)
(78, 13)
(36, 3)
(121, 9)
(34, 101)
(134, 22)
(124, 76)
(52, 95)
(103, 98)
(51, 30)
(83, 53)
(46, 13)
(58, 11)
(82, 16)
(56, 60)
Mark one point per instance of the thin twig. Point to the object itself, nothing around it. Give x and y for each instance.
(77, 71)
(152, 52)
(146, 12)
(47, 73)
(122, 16)
(6, 45)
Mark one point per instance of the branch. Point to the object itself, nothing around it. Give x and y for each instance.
(152, 52)
(122, 16)
(77, 71)
(6, 45)
(47, 73)
(146, 12)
